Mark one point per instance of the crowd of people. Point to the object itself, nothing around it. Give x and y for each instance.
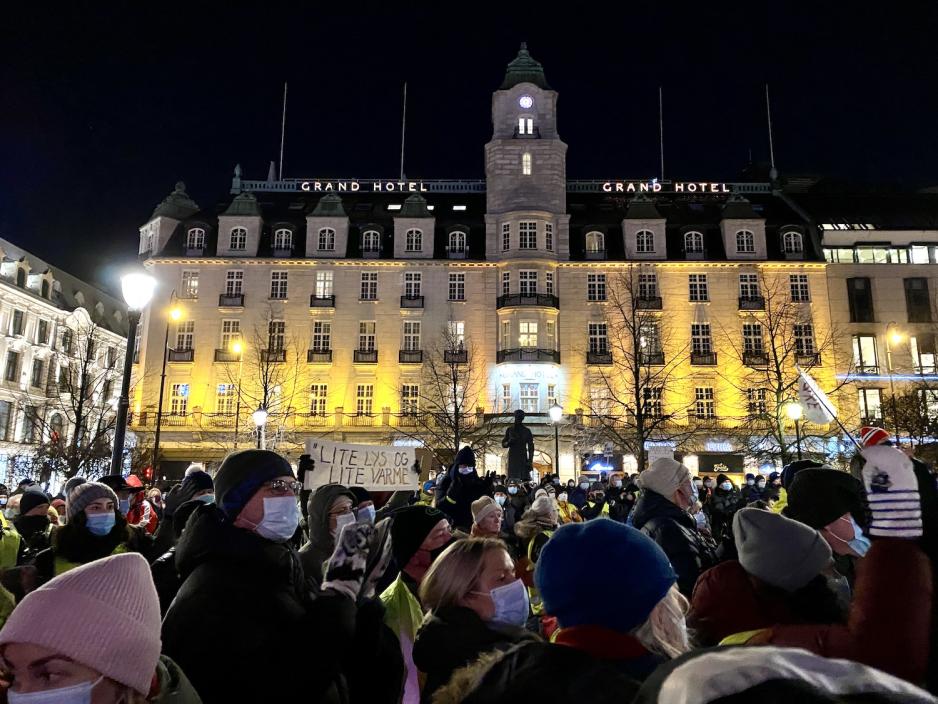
(812, 584)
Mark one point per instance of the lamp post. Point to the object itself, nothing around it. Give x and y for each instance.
(137, 289)
(794, 411)
(556, 413)
(893, 338)
(238, 348)
(175, 315)
(260, 421)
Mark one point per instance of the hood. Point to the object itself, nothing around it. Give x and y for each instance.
(465, 456)
(318, 510)
(654, 505)
(453, 637)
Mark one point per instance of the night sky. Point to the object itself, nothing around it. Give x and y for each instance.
(102, 111)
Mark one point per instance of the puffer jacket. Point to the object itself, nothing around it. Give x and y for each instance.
(676, 533)
(321, 543)
(244, 602)
(887, 626)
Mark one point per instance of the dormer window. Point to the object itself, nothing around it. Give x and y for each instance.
(745, 242)
(44, 289)
(526, 164)
(239, 238)
(414, 241)
(195, 238)
(283, 239)
(371, 241)
(457, 242)
(693, 243)
(645, 242)
(792, 243)
(526, 125)
(595, 242)
(21, 278)
(327, 239)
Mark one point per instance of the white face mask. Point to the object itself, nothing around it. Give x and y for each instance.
(281, 517)
(726, 486)
(500, 499)
(466, 470)
(76, 694)
(342, 520)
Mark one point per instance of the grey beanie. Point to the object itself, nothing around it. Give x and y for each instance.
(664, 476)
(779, 551)
(83, 494)
(71, 484)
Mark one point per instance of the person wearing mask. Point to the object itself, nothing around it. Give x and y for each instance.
(12, 509)
(723, 504)
(427, 493)
(164, 571)
(534, 530)
(486, 518)
(579, 494)
(142, 514)
(418, 536)
(33, 525)
(244, 598)
(567, 512)
(773, 485)
(662, 514)
(747, 491)
(596, 505)
(759, 489)
(4, 499)
(92, 635)
(705, 491)
(122, 488)
(197, 484)
(155, 497)
(329, 510)
(778, 593)
(600, 654)
(476, 605)
(622, 500)
(464, 487)
(59, 505)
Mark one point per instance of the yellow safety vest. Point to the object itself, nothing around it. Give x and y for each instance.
(62, 565)
(742, 637)
(537, 605)
(9, 547)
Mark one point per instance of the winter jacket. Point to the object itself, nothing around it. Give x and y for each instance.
(36, 535)
(577, 497)
(461, 491)
(173, 687)
(244, 603)
(887, 626)
(594, 509)
(676, 533)
(723, 504)
(166, 578)
(567, 513)
(454, 637)
(314, 554)
(143, 515)
(748, 494)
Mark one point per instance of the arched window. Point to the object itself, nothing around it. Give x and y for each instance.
(283, 238)
(56, 428)
(792, 243)
(693, 243)
(414, 241)
(526, 164)
(327, 239)
(44, 289)
(239, 238)
(371, 241)
(595, 242)
(457, 241)
(195, 238)
(21, 278)
(745, 242)
(644, 241)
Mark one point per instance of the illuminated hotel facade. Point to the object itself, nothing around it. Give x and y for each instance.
(323, 299)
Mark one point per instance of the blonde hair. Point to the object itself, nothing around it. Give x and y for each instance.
(665, 631)
(456, 572)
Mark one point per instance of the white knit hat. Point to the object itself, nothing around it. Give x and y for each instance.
(664, 476)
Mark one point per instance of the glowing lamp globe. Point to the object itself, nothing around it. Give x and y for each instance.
(137, 290)
(556, 412)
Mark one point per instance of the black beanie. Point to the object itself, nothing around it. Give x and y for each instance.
(197, 481)
(790, 470)
(466, 457)
(241, 474)
(360, 494)
(31, 499)
(817, 497)
(412, 525)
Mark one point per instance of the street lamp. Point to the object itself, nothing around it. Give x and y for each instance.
(237, 347)
(794, 412)
(175, 315)
(260, 421)
(137, 289)
(893, 338)
(556, 414)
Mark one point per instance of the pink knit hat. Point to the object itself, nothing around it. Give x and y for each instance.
(104, 615)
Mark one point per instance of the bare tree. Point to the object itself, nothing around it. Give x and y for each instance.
(639, 368)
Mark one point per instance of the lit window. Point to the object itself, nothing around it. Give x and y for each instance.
(457, 334)
(527, 333)
(595, 242)
(704, 406)
(322, 336)
(550, 330)
(529, 397)
(871, 404)
(239, 238)
(458, 208)
(410, 395)
(225, 399)
(190, 284)
(525, 125)
(526, 164)
(179, 399)
(185, 332)
(394, 206)
(323, 284)
(230, 333)
(864, 354)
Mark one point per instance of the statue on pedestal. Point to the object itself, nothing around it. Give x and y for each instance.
(520, 443)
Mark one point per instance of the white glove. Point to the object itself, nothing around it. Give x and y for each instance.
(892, 492)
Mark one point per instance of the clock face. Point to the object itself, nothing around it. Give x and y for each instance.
(526, 101)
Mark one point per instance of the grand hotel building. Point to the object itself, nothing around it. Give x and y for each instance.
(339, 290)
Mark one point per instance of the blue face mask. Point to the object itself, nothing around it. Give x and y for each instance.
(124, 506)
(76, 694)
(281, 517)
(512, 606)
(366, 514)
(100, 523)
(207, 498)
(860, 543)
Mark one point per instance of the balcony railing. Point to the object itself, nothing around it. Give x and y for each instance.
(194, 251)
(594, 254)
(867, 369)
(410, 356)
(599, 357)
(273, 355)
(365, 356)
(751, 303)
(181, 355)
(808, 360)
(755, 359)
(648, 303)
(794, 255)
(321, 301)
(319, 356)
(227, 356)
(695, 254)
(455, 253)
(411, 301)
(652, 359)
(283, 252)
(175, 420)
(545, 300)
(360, 421)
(231, 300)
(455, 357)
(527, 354)
(371, 253)
(703, 359)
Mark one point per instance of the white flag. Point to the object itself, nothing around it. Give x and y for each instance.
(817, 407)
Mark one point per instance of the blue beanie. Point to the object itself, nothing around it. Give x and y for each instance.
(583, 562)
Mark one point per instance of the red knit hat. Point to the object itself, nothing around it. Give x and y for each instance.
(871, 436)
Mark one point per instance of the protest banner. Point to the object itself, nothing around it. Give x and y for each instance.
(817, 407)
(371, 467)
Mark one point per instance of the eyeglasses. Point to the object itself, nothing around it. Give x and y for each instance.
(282, 486)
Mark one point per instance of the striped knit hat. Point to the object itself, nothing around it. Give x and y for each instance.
(83, 494)
(871, 436)
(104, 615)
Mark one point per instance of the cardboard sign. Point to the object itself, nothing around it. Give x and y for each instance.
(371, 467)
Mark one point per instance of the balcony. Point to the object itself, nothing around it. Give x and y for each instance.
(545, 300)
(794, 256)
(362, 420)
(411, 301)
(371, 253)
(456, 357)
(756, 359)
(231, 300)
(703, 359)
(652, 359)
(227, 356)
(273, 355)
(181, 355)
(410, 357)
(808, 360)
(695, 254)
(751, 303)
(321, 301)
(318, 356)
(867, 369)
(594, 254)
(527, 354)
(195, 251)
(365, 357)
(222, 420)
(283, 252)
(457, 253)
(648, 303)
(599, 357)
(175, 420)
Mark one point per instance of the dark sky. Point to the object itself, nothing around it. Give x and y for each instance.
(101, 111)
